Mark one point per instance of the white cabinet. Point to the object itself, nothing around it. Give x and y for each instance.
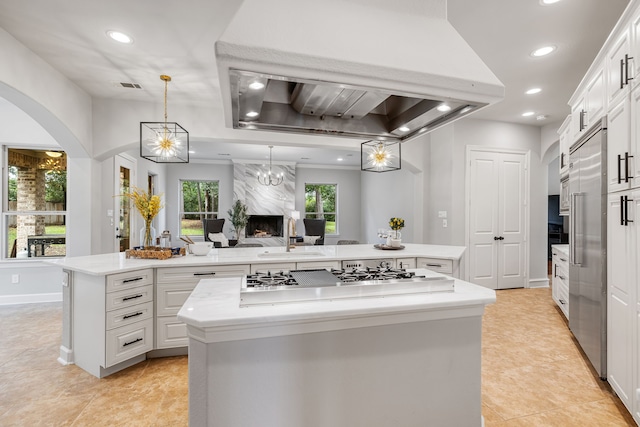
(112, 320)
(406, 263)
(622, 143)
(436, 264)
(316, 265)
(620, 68)
(173, 287)
(589, 105)
(622, 286)
(560, 278)
(564, 133)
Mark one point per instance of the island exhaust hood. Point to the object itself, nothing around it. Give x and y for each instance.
(368, 69)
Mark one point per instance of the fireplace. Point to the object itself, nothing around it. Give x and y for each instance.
(264, 226)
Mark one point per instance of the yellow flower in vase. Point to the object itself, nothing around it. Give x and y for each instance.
(396, 225)
(148, 205)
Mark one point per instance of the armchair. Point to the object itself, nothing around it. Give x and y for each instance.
(212, 226)
(315, 227)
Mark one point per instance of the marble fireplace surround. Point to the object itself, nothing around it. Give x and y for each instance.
(265, 200)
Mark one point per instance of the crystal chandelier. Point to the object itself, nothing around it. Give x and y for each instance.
(164, 142)
(268, 178)
(380, 156)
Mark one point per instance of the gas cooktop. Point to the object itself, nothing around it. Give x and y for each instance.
(322, 285)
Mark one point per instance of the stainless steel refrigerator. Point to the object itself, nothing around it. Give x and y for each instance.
(588, 244)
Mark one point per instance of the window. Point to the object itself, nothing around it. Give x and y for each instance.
(320, 202)
(199, 200)
(34, 209)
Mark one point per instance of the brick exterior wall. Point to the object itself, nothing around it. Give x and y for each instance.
(31, 196)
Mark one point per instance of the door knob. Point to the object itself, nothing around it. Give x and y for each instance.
(501, 238)
(496, 238)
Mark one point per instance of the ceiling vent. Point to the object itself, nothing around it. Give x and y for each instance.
(130, 85)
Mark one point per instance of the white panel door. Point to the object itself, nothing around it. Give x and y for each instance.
(497, 236)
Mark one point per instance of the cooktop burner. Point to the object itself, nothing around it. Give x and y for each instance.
(312, 285)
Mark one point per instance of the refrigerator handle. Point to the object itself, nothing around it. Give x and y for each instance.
(573, 226)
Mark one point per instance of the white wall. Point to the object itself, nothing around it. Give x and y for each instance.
(553, 181)
(447, 181)
(222, 172)
(386, 195)
(348, 202)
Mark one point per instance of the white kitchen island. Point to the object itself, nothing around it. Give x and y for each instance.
(119, 311)
(411, 360)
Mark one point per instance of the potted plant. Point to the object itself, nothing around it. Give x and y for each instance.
(238, 217)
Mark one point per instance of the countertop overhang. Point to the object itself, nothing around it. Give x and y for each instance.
(112, 263)
(213, 313)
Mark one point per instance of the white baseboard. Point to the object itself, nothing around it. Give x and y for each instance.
(539, 283)
(30, 298)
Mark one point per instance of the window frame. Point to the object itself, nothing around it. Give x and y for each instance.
(5, 213)
(334, 213)
(181, 211)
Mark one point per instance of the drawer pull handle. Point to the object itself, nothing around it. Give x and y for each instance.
(434, 265)
(562, 301)
(128, 316)
(132, 280)
(563, 259)
(132, 297)
(205, 274)
(562, 277)
(132, 342)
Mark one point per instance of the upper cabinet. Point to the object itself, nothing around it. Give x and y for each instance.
(620, 68)
(587, 105)
(565, 142)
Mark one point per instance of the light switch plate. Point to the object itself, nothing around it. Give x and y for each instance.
(444, 223)
(442, 214)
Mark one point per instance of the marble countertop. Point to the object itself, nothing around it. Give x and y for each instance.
(562, 248)
(117, 262)
(213, 312)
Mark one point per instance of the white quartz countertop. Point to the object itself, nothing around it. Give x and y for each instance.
(117, 263)
(562, 248)
(213, 312)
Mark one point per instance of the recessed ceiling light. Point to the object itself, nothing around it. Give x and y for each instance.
(443, 108)
(533, 91)
(256, 85)
(191, 152)
(252, 114)
(119, 37)
(543, 51)
(546, 2)
(403, 129)
(542, 117)
(339, 159)
(528, 114)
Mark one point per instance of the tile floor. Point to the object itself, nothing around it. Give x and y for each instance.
(533, 375)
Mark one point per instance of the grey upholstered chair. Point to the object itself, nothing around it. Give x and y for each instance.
(315, 227)
(212, 226)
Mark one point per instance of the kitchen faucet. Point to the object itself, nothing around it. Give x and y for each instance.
(291, 225)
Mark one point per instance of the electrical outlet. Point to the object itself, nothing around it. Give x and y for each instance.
(15, 278)
(444, 223)
(442, 214)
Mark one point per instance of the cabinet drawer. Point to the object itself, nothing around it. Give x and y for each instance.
(128, 297)
(128, 315)
(406, 263)
(436, 264)
(131, 279)
(273, 267)
(170, 333)
(195, 274)
(313, 265)
(129, 341)
(171, 297)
